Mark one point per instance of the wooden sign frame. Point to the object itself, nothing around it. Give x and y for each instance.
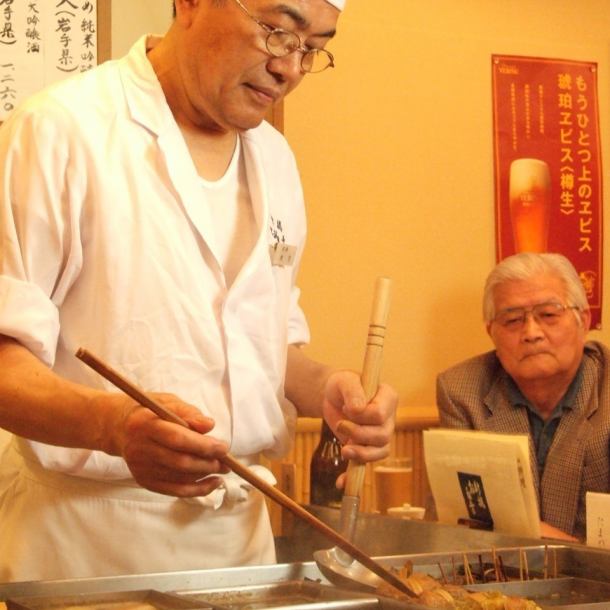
(104, 28)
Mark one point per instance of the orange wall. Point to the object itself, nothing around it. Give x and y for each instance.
(395, 151)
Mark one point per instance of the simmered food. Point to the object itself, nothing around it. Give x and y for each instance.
(429, 592)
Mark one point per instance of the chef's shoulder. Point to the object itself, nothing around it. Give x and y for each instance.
(272, 147)
(66, 106)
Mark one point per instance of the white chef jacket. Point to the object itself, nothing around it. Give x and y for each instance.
(107, 244)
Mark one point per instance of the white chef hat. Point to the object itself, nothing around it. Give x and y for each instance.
(340, 4)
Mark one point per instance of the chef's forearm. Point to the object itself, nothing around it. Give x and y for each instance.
(305, 382)
(36, 403)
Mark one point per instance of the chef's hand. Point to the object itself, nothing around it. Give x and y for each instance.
(163, 456)
(365, 430)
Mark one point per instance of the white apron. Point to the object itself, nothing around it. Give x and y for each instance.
(45, 534)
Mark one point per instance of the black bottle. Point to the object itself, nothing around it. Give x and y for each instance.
(326, 465)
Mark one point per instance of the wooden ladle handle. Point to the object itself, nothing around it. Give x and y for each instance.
(371, 370)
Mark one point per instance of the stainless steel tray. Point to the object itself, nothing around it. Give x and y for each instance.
(574, 563)
(127, 600)
(297, 595)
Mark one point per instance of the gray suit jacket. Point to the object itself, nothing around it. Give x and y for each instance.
(474, 394)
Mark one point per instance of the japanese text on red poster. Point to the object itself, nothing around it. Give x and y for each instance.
(548, 171)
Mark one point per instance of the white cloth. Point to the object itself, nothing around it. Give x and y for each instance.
(107, 245)
(340, 4)
(54, 526)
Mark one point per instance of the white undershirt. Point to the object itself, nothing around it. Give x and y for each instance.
(231, 209)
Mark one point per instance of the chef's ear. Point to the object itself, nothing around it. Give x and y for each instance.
(185, 9)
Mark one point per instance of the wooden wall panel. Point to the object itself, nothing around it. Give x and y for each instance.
(104, 29)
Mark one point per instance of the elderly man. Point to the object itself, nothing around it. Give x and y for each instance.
(543, 380)
(150, 215)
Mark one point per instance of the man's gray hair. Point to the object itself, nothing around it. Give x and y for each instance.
(524, 266)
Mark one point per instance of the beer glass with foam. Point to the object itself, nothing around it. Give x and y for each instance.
(530, 204)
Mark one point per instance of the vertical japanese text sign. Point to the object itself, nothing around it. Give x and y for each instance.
(42, 41)
(547, 158)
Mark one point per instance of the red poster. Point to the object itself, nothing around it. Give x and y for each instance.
(548, 170)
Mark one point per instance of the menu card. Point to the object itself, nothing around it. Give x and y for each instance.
(483, 478)
(598, 519)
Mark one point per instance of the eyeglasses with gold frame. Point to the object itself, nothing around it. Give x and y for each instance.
(281, 43)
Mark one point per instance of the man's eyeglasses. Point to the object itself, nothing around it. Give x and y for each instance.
(545, 314)
(282, 42)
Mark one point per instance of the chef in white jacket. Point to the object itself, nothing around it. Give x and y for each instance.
(150, 215)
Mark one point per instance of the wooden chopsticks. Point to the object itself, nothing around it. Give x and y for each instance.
(245, 473)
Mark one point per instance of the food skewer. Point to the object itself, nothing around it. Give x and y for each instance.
(271, 492)
(467, 572)
(521, 564)
(495, 562)
(524, 573)
(444, 578)
(545, 569)
(481, 568)
(502, 570)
